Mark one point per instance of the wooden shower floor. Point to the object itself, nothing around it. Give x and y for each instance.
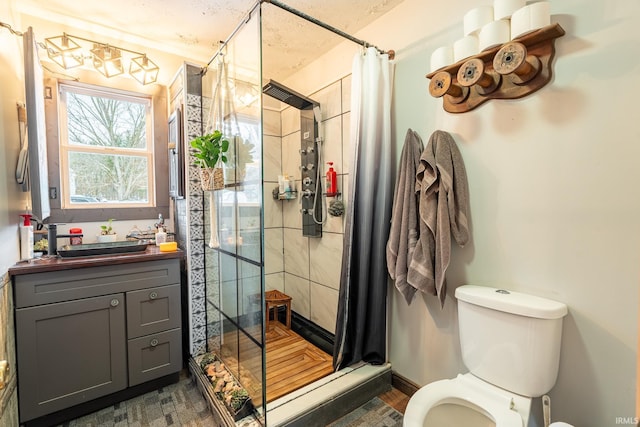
(292, 362)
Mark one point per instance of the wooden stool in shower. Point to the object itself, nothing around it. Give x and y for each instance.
(274, 299)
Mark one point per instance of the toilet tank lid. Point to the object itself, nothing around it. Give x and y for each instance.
(511, 302)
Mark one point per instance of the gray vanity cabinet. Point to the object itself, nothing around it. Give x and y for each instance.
(74, 351)
(89, 332)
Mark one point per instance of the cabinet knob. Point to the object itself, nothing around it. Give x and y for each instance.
(154, 342)
(153, 295)
(115, 302)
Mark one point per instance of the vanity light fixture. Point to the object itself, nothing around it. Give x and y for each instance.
(107, 60)
(64, 51)
(70, 51)
(143, 70)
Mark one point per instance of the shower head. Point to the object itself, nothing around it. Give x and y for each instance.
(288, 96)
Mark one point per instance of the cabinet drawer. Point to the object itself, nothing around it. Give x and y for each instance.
(154, 356)
(153, 310)
(65, 285)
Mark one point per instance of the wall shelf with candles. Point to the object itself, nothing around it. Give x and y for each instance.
(509, 71)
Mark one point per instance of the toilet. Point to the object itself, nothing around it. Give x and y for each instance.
(510, 343)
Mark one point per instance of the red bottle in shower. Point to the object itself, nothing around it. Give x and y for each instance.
(332, 181)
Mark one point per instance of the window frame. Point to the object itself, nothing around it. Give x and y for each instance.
(65, 147)
(100, 212)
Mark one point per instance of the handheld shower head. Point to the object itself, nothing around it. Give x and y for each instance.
(316, 113)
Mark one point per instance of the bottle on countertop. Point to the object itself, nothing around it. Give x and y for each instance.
(161, 236)
(75, 240)
(26, 237)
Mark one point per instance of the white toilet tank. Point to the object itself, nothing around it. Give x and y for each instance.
(510, 339)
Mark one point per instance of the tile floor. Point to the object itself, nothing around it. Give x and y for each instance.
(179, 404)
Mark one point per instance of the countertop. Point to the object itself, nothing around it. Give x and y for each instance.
(45, 264)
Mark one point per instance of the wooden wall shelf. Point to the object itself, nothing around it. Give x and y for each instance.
(512, 70)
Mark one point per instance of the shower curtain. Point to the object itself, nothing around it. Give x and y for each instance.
(361, 319)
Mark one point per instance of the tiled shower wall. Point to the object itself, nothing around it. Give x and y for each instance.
(306, 268)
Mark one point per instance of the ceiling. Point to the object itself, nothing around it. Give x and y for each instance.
(192, 29)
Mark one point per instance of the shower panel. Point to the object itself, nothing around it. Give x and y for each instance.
(310, 153)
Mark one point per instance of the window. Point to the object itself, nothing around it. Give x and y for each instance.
(106, 148)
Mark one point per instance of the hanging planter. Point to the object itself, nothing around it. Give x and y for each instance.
(212, 179)
(209, 152)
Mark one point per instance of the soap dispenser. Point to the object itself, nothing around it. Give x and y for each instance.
(161, 236)
(26, 237)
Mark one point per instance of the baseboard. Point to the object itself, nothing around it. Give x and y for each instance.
(403, 384)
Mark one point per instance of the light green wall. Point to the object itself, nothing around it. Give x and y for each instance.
(554, 204)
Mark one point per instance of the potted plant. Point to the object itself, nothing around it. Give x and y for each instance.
(209, 152)
(106, 233)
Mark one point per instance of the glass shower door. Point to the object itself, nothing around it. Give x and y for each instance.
(233, 215)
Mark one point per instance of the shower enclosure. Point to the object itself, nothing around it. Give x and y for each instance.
(244, 240)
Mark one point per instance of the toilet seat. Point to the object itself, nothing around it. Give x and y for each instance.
(497, 404)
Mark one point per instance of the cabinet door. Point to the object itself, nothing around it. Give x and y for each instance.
(70, 353)
(153, 310)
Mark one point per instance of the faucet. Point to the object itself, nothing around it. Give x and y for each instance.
(160, 223)
(53, 236)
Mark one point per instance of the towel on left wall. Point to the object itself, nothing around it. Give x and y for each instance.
(404, 232)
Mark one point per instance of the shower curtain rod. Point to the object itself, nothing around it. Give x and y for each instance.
(246, 19)
(302, 15)
(334, 30)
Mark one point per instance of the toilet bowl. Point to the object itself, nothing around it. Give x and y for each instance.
(510, 342)
(466, 401)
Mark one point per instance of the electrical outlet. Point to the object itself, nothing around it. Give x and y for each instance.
(4, 373)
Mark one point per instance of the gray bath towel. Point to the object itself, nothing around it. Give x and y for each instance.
(443, 207)
(403, 235)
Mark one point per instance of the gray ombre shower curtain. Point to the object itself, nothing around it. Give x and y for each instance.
(362, 304)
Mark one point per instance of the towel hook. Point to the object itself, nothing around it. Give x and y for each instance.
(442, 84)
(512, 58)
(474, 72)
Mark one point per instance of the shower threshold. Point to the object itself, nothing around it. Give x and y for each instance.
(331, 397)
(316, 404)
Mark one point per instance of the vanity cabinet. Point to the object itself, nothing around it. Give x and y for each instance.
(84, 333)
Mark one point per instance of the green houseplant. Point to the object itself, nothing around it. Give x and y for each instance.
(209, 151)
(106, 233)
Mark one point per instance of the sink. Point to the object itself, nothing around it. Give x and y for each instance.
(108, 248)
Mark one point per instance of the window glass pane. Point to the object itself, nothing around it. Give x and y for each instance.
(106, 122)
(104, 178)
